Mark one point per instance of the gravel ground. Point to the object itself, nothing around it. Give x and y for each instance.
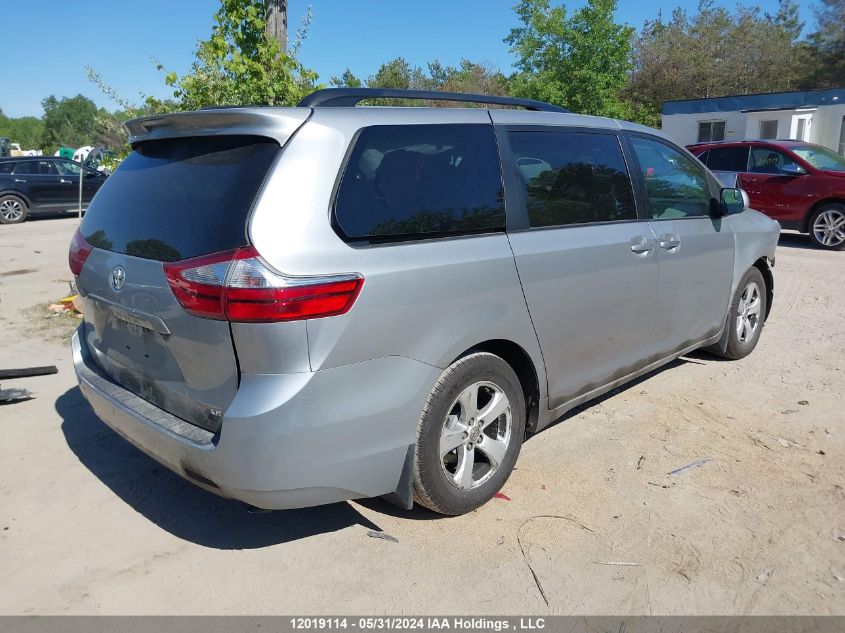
(594, 523)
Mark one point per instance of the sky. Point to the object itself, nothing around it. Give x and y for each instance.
(48, 44)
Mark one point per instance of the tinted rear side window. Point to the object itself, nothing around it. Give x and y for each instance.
(573, 177)
(420, 181)
(173, 199)
(6, 168)
(728, 159)
(35, 168)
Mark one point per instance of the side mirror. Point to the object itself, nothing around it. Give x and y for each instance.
(734, 200)
(791, 169)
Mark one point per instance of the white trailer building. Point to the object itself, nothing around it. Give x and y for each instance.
(815, 116)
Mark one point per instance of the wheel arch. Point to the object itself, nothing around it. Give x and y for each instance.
(524, 368)
(765, 269)
(17, 194)
(805, 223)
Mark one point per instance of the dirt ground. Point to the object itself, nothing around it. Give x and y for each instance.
(90, 525)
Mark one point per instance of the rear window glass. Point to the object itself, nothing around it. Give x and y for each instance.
(6, 168)
(573, 178)
(419, 181)
(173, 199)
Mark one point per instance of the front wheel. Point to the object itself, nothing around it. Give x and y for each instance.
(470, 434)
(747, 315)
(827, 227)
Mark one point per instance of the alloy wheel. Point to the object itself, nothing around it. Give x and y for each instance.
(11, 210)
(829, 228)
(476, 435)
(748, 312)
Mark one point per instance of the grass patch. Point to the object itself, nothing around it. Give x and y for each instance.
(49, 325)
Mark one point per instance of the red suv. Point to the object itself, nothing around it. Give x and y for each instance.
(800, 185)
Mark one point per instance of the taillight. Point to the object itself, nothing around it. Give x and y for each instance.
(238, 286)
(78, 253)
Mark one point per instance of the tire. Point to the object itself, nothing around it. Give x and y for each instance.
(13, 210)
(748, 309)
(827, 227)
(455, 416)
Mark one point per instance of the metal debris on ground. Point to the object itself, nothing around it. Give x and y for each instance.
(696, 464)
(501, 495)
(26, 372)
(382, 535)
(803, 403)
(8, 396)
(619, 563)
(640, 462)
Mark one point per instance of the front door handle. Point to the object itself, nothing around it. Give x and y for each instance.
(19, 180)
(641, 246)
(669, 241)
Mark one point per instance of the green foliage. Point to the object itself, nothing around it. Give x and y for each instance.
(346, 80)
(70, 122)
(468, 76)
(579, 61)
(711, 53)
(824, 52)
(240, 65)
(26, 131)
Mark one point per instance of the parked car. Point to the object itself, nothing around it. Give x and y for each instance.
(41, 184)
(297, 306)
(799, 184)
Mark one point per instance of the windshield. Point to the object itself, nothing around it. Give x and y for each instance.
(821, 157)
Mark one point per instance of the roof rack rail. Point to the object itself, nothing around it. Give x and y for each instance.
(346, 97)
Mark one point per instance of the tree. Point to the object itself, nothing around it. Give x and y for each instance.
(714, 53)
(397, 73)
(824, 53)
(346, 80)
(469, 77)
(580, 62)
(276, 22)
(27, 131)
(240, 65)
(68, 121)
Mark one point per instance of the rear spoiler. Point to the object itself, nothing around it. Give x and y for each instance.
(275, 123)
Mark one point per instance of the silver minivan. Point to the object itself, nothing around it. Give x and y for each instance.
(298, 306)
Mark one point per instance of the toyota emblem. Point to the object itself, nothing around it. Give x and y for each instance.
(118, 277)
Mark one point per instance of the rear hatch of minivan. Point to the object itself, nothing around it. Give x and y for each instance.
(175, 198)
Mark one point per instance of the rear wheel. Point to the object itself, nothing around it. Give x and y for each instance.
(827, 227)
(13, 210)
(470, 434)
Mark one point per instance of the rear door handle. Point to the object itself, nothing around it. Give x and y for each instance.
(19, 180)
(641, 245)
(669, 241)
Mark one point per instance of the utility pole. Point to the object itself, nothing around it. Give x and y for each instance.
(276, 22)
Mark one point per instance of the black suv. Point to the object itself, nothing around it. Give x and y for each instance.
(31, 184)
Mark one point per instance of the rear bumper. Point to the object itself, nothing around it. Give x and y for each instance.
(287, 441)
